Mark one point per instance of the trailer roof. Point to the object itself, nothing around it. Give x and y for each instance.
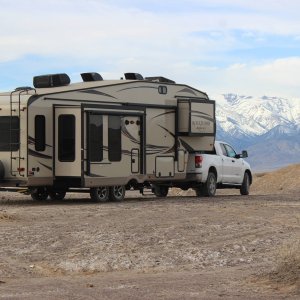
(83, 85)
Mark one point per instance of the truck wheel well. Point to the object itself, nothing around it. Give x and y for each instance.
(213, 170)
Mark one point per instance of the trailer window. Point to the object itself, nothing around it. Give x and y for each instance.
(114, 138)
(40, 132)
(9, 133)
(66, 138)
(95, 147)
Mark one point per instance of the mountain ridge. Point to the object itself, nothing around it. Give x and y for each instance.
(269, 127)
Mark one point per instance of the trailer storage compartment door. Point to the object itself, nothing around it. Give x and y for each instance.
(196, 117)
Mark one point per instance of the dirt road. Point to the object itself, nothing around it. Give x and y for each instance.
(147, 248)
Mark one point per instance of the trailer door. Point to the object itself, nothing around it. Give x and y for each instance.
(67, 146)
(114, 146)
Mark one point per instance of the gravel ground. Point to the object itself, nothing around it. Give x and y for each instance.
(179, 247)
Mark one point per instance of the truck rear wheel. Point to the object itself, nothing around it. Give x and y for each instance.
(117, 193)
(210, 186)
(160, 190)
(99, 194)
(245, 187)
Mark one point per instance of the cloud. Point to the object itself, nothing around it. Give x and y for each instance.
(212, 44)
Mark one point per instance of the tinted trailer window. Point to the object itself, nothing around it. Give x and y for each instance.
(9, 133)
(66, 138)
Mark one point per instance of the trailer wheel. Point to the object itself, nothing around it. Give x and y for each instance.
(39, 194)
(99, 194)
(210, 186)
(245, 187)
(117, 193)
(160, 190)
(57, 194)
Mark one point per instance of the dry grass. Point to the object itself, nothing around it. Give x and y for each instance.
(4, 216)
(285, 180)
(287, 269)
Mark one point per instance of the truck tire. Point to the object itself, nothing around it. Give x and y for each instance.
(99, 194)
(117, 193)
(2, 171)
(160, 190)
(210, 186)
(245, 187)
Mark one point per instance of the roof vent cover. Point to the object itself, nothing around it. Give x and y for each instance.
(51, 80)
(91, 76)
(133, 76)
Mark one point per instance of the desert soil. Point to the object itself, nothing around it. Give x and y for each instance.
(179, 247)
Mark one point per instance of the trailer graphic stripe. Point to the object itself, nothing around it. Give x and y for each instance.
(37, 154)
(202, 116)
(31, 141)
(47, 167)
(165, 113)
(186, 90)
(95, 92)
(186, 146)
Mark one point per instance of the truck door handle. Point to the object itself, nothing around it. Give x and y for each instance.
(233, 160)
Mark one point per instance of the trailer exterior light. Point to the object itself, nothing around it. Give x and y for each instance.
(198, 161)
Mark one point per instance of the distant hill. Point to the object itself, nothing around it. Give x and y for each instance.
(268, 127)
(282, 181)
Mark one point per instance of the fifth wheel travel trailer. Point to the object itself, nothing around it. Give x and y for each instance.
(101, 136)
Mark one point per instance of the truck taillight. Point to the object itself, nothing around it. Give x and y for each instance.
(198, 161)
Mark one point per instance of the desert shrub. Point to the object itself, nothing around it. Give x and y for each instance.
(287, 269)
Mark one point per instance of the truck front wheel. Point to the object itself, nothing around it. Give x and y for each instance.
(245, 187)
(210, 186)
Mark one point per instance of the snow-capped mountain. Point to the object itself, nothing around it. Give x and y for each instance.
(264, 125)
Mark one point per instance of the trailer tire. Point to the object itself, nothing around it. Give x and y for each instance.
(210, 186)
(39, 194)
(99, 194)
(245, 187)
(117, 193)
(57, 194)
(2, 170)
(160, 190)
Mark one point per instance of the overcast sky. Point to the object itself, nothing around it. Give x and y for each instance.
(219, 46)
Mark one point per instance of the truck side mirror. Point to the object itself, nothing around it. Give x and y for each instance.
(244, 154)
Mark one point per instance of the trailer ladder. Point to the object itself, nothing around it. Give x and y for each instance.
(15, 110)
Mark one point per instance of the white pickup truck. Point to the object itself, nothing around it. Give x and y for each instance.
(221, 168)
